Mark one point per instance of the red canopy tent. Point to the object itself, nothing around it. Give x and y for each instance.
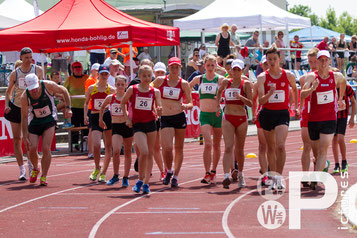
(85, 24)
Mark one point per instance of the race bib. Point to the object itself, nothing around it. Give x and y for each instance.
(143, 103)
(98, 103)
(208, 88)
(22, 84)
(172, 93)
(325, 97)
(277, 97)
(116, 110)
(42, 112)
(231, 93)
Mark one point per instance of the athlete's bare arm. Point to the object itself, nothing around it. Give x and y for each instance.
(187, 91)
(292, 82)
(311, 83)
(86, 102)
(106, 102)
(263, 98)
(158, 105)
(196, 80)
(12, 79)
(59, 89)
(123, 102)
(24, 121)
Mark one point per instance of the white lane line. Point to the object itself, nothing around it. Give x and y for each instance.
(172, 212)
(95, 228)
(64, 208)
(44, 196)
(184, 233)
(107, 194)
(174, 208)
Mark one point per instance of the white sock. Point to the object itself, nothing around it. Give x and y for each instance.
(22, 167)
(175, 177)
(226, 175)
(240, 173)
(170, 171)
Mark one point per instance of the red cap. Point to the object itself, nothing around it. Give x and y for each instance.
(174, 60)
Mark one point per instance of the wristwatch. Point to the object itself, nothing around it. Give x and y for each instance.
(68, 107)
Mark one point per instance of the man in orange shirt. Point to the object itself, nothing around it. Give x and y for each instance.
(125, 52)
(93, 78)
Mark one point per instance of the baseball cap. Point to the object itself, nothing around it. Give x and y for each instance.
(127, 64)
(25, 50)
(115, 62)
(323, 53)
(174, 60)
(264, 59)
(103, 69)
(237, 63)
(113, 50)
(159, 66)
(31, 81)
(95, 66)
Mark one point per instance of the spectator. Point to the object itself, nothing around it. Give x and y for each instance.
(113, 54)
(323, 44)
(145, 55)
(279, 42)
(75, 86)
(228, 67)
(59, 62)
(56, 77)
(260, 66)
(202, 51)
(353, 45)
(332, 49)
(341, 45)
(126, 71)
(125, 53)
(234, 34)
(200, 71)
(251, 42)
(38, 61)
(296, 44)
(266, 46)
(192, 63)
(351, 68)
(70, 60)
(223, 41)
(114, 68)
(97, 56)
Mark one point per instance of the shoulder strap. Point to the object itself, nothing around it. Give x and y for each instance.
(201, 78)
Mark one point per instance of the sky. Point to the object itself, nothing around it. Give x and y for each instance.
(319, 7)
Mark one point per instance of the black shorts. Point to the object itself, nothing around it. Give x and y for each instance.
(88, 114)
(122, 129)
(341, 126)
(145, 127)
(320, 127)
(269, 119)
(40, 129)
(94, 121)
(298, 60)
(341, 55)
(15, 114)
(177, 121)
(158, 124)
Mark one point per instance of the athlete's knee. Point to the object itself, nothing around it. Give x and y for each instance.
(263, 147)
(46, 151)
(228, 149)
(281, 148)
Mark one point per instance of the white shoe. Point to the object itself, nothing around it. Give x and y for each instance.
(241, 181)
(22, 176)
(279, 185)
(29, 166)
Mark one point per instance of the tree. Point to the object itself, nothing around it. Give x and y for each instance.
(330, 22)
(346, 24)
(305, 11)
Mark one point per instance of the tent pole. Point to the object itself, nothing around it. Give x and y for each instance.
(287, 43)
(311, 36)
(261, 31)
(203, 38)
(178, 51)
(43, 66)
(175, 49)
(131, 61)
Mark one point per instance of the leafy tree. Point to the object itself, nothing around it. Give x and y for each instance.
(345, 24)
(330, 22)
(305, 11)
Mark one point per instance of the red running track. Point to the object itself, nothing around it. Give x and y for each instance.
(73, 206)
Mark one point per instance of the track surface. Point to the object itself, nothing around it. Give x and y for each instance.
(73, 206)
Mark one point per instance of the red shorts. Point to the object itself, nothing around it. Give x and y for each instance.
(304, 120)
(236, 121)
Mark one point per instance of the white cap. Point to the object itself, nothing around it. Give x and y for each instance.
(159, 66)
(115, 62)
(31, 81)
(95, 66)
(237, 63)
(264, 59)
(323, 53)
(127, 64)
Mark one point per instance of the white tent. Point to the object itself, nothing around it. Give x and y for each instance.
(6, 22)
(248, 15)
(17, 9)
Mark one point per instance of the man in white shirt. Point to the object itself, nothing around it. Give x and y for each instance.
(113, 55)
(145, 55)
(114, 68)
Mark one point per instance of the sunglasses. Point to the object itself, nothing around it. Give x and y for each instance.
(196, 55)
(114, 53)
(77, 67)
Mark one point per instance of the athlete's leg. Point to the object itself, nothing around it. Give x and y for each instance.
(47, 138)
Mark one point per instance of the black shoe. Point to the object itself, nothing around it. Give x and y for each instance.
(226, 182)
(167, 178)
(136, 165)
(174, 183)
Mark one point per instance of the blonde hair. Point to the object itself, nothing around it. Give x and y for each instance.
(313, 52)
(210, 58)
(144, 68)
(120, 77)
(18, 63)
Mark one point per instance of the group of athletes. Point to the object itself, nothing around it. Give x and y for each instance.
(151, 112)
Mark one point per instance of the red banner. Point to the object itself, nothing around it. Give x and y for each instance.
(7, 147)
(192, 116)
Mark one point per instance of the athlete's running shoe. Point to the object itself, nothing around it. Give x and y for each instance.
(174, 183)
(337, 169)
(327, 165)
(344, 167)
(146, 189)
(93, 176)
(264, 181)
(167, 178)
(22, 176)
(125, 182)
(234, 175)
(113, 180)
(34, 175)
(241, 181)
(67, 125)
(279, 185)
(213, 178)
(102, 178)
(29, 166)
(43, 181)
(226, 182)
(162, 176)
(137, 186)
(206, 179)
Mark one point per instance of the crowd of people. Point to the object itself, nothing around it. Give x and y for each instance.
(148, 113)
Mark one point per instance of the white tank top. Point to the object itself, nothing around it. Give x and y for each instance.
(20, 84)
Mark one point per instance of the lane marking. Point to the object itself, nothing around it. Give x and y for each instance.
(63, 208)
(184, 233)
(172, 212)
(174, 208)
